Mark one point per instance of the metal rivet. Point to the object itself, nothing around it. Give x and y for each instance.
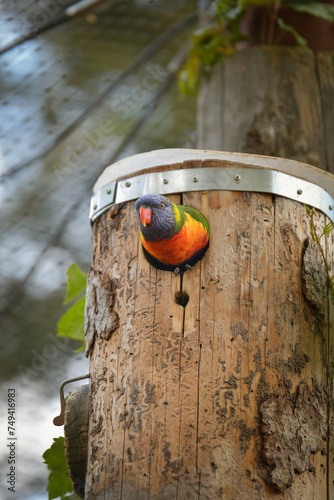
(330, 207)
(108, 191)
(195, 179)
(128, 184)
(237, 178)
(300, 191)
(165, 181)
(95, 206)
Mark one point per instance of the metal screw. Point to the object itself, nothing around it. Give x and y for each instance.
(108, 191)
(195, 179)
(165, 181)
(94, 206)
(237, 178)
(128, 184)
(330, 207)
(300, 191)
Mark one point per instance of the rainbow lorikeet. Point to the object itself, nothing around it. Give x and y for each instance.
(174, 237)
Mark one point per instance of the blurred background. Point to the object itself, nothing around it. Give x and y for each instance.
(80, 88)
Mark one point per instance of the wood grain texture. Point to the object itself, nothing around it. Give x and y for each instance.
(330, 350)
(274, 101)
(325, 74)
(176, 392)
(76, 437)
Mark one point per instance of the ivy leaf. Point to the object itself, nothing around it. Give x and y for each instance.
(59, 481)
(71, 324)
(286, 27)
(76, 282)
(318, 9)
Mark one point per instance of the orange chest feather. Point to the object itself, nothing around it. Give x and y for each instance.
(181, 247)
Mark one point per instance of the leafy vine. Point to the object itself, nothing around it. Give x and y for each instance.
(211, 43)
(317, 240)
(70, 325)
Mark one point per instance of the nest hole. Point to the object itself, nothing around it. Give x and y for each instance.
(181, 298)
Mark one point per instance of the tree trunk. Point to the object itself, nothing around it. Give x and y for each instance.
(275, 101)
(228, 396)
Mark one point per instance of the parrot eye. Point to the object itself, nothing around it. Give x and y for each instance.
(162, 205)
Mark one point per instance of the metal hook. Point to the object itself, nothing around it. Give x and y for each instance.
(59, 420)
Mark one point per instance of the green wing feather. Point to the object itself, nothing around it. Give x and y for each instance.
(195, 214)
(180, 216)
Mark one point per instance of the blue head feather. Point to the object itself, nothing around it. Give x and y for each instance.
(163, 217)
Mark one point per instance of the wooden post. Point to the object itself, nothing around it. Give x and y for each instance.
(271, 100)
(230, 396)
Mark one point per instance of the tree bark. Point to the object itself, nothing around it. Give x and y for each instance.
(76, 437)
(276, 101)
(230, 396)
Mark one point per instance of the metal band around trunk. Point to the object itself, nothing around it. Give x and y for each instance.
(258, 180)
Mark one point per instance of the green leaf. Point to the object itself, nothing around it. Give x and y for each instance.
(189, 76)
(328, 228)
(76, 282)
(71, 324)
(59, 481)
(234, 13)
(317, 9)
(299, 39)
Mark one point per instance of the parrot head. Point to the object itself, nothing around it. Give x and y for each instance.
(156, 215)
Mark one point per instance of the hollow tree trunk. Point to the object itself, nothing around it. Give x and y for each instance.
(230, 396)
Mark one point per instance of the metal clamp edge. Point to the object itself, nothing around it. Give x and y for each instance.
(212, 178)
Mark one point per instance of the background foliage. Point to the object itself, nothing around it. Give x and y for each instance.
(212, 43)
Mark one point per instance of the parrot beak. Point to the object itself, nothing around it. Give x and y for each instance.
(146, 216)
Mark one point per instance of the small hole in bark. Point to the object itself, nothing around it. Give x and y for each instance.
(181, 298)
(213, 465)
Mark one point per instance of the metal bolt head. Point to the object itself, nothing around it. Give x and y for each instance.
(299, 191)
(108, 191)
(195, 179)
(237, 178)
(165, 181)
(330, 207)
(128, 184)
(94, 206)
